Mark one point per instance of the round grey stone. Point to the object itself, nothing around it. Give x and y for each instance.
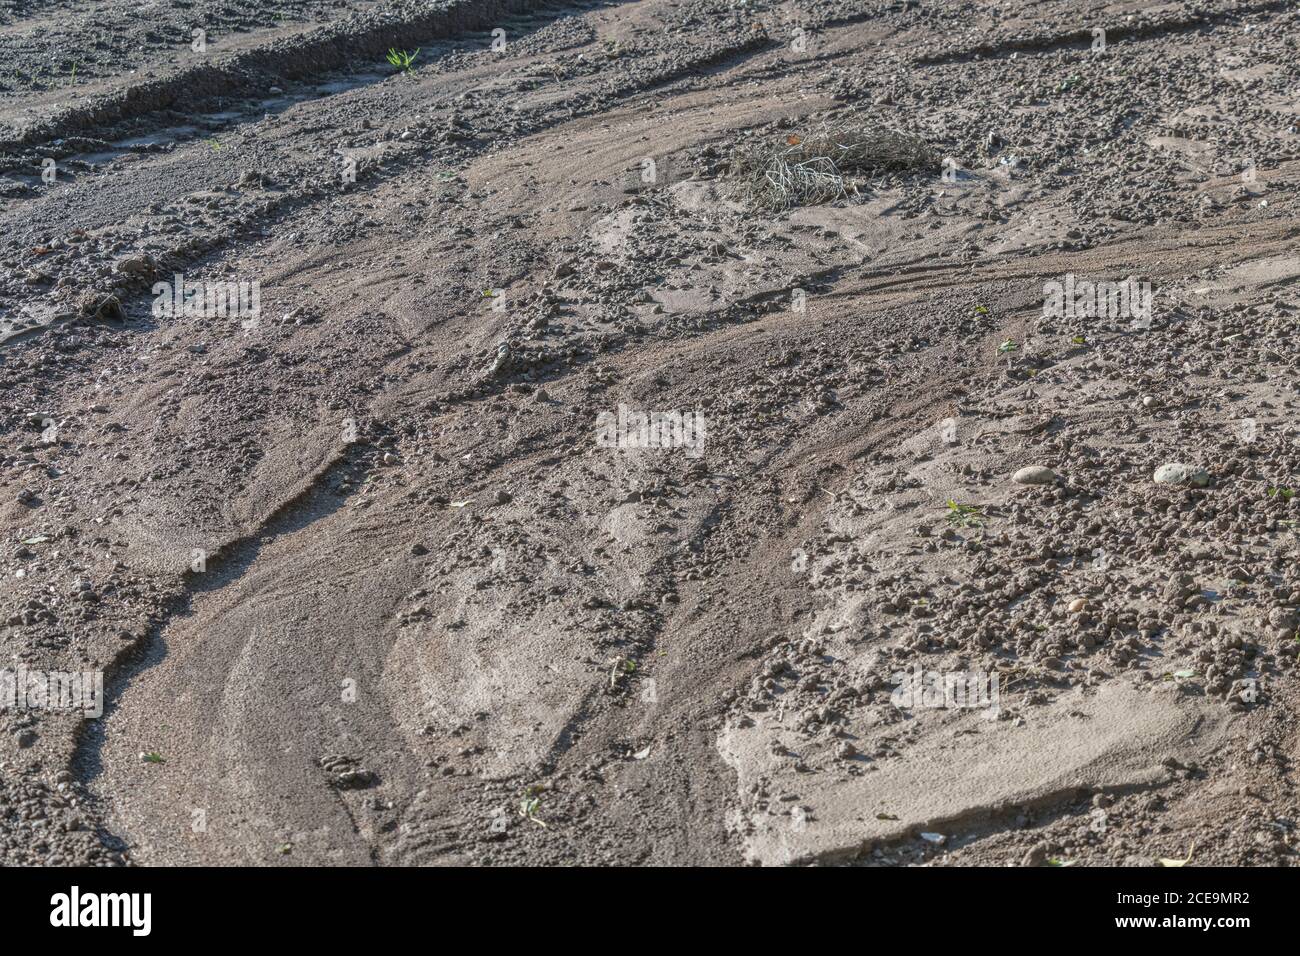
(1177, 473)
(1034, 475)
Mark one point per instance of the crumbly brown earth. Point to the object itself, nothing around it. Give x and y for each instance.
(366, 587)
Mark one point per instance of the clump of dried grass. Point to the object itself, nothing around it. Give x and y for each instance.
(810, 169)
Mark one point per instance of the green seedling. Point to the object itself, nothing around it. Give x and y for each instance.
(152, 758)
(965, 516)
(530, 804)
(622, 666)
(1284, 493)
(402, 60)
(981, 310)
(1007, 346)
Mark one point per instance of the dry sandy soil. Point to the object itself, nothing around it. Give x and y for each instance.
(364, 584)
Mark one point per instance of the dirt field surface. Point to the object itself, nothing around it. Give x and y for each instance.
(377, 567)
